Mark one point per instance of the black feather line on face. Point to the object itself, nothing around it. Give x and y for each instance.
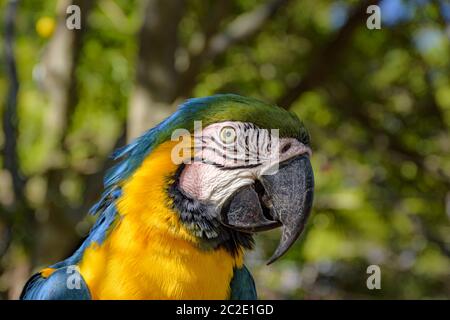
(202, 221)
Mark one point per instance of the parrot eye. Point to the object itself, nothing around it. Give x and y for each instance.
(228, 135)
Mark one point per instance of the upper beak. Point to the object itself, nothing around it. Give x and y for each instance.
(280, 199)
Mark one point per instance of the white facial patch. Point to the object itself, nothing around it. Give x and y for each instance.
(230, 155)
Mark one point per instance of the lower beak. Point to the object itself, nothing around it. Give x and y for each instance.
(281, 199)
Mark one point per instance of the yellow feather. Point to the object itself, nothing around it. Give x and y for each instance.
(149, 254)
(47, 272)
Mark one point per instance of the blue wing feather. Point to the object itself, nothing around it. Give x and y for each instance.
(242, 285)
(55, 286)
(62, 284)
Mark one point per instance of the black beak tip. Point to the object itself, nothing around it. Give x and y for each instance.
(285, 244)
(272, 259)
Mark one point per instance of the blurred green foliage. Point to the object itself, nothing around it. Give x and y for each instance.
(378, 116)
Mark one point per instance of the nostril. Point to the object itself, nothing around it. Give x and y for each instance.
(286, 147)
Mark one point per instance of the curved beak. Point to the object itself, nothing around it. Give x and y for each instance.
(281, 199)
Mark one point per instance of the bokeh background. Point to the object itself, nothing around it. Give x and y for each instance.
(376, 102)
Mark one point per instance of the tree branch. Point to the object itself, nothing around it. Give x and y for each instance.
(58, 71)
(424, 230)
(155, 86)
(327, 58)
(19, 217)
(395, 144)
(242, 28)
(10, 159)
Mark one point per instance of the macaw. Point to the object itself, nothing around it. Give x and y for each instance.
(177, 214)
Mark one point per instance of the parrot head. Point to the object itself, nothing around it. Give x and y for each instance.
(242, 167)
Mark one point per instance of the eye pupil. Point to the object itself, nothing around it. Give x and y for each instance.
(228, 135)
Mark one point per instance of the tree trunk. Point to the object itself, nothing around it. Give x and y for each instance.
(156, 77)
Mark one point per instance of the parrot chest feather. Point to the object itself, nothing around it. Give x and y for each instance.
(162, 269)
(149, 254)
